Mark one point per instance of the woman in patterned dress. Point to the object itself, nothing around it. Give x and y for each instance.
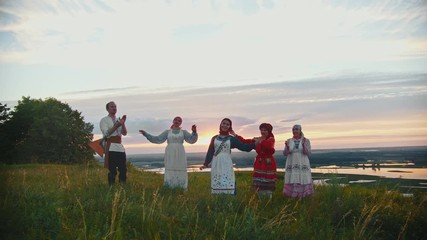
(298, 181)
(264, 176)
(223, 180)
(175, 158)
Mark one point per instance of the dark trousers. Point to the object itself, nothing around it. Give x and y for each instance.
(116, 161)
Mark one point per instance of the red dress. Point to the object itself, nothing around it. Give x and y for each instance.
(265, 171)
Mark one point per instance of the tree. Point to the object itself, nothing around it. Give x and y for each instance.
(47, 131)
(4, 113)
(5, 141)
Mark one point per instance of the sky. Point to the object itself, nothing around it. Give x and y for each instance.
(352, 73)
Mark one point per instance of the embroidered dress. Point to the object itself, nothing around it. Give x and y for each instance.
(265, 171)
(223, 180)
(298, 181)
(222, 173)
(175, 156)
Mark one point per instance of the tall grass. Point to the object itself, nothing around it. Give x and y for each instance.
(75, 202)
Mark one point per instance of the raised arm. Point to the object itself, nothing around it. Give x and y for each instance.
(122, 122)
(236, 143)
(156, 139)
(190, 137)
(286, 150)
(243, 140)
(306, 147)
(106, 131)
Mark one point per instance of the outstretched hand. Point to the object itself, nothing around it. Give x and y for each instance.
(202, 167)
(142, 132)
(194, 128)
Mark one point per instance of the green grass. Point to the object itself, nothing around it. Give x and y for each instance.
(75, 202)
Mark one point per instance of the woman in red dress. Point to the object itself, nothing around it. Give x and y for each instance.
(265, 172)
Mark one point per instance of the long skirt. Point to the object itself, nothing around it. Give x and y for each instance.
(223, 180)
(298, 181)
(175, 166)
(264, 176)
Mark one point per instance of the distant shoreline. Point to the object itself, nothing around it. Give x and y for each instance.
(313, 150)
(394, 162)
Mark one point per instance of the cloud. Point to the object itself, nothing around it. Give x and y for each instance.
(200, 44)
(253, 61)
(291, 120)
(326, 107)
(97, 92)
(341, 107)
(7, 19)
(296, 31)
(9, 42)
(194, 32)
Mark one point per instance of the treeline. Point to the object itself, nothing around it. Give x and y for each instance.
(43, 131)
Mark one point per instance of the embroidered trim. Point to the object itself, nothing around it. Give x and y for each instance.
(221, 146)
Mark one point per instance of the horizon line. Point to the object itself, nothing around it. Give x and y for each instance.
(313, 150)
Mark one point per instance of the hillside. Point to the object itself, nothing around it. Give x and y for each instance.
(75, 202)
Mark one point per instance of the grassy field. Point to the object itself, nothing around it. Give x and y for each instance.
(74, 202)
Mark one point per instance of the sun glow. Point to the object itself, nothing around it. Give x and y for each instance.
(205, 137)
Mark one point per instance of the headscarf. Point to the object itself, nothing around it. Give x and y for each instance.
(300, 128)
(230, 129)
(176, 118)
(269, 128)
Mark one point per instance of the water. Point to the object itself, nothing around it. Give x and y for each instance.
(395, 162)
(404, 173)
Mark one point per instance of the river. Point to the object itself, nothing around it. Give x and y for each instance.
(404, 173)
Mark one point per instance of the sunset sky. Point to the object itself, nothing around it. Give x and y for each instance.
(352, 73)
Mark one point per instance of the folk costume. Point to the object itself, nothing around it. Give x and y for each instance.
(175, 156)
(264, 176)
(223, 180)
(298, 181)
(115, 155)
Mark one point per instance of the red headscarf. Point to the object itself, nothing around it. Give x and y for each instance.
(269, 129)
(230, 129)
(174, 120)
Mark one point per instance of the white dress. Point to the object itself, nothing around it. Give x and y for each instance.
(175, 156)
(298, 181)
(222, 174)
(219, 156)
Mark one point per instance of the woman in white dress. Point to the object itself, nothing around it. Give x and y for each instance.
(298, 181)
(223, 180)
(175, 157)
